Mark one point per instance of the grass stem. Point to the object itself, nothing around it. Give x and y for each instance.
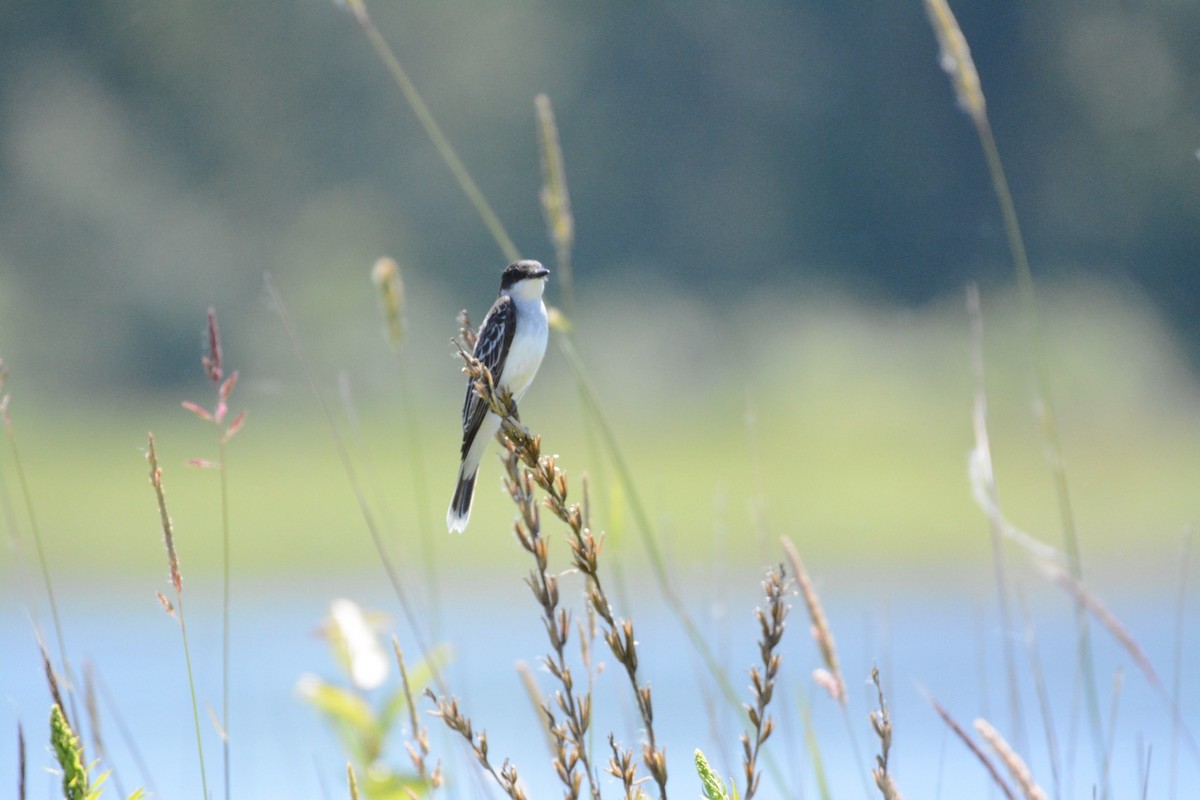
(36, 531)
(1176, 688)
(975, 313)
(176, 610)
(352, 476)
(956, 60)
(433, 130)
(225, 592)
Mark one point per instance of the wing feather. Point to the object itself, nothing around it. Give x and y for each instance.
(491, 347)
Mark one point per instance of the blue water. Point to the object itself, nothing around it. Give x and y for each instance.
(943, 639)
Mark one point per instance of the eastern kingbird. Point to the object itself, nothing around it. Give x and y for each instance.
(511, 343)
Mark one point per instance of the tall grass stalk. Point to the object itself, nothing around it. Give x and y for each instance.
(538, 701)
(432, 129)
(560, 228)
(560, 224)
(1043, 695)
(771, 623)
(505, 776)
(1144, 767)
(20, 762)
(973, 747)
(979, 417)
(881, 723)
(1114, 705)
(364, 507)
(1176, 687)
(225, 602)
(556, 199)
(176, 609)
(418, 744)
(1011, 759)
(956, 60)
(649, 538)
(829, 678)
(127, 737)
(214, 370)
(1094, 606)
(92, 705)
(393, 298)
(1049, 563)
(36, 531)
(813, 745)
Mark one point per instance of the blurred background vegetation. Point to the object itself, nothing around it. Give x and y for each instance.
(777, 211)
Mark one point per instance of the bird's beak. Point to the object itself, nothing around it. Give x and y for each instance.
(542, 273)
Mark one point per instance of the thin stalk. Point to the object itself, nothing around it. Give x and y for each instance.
(1118, 684)
(433, 130)
(1010, 660)
(92, 704)
(649, 540)
(20, 762)
(556, 199)
(420, 494)
(225, 571)
(126, 734)
(177, 610)
(43, 562)
(1050, 434)
(956, 60)
(352, 476)
(972, 746)
(1176, 690)
(187, 657)
(213, 364)
(813, 745)
(1043, 696)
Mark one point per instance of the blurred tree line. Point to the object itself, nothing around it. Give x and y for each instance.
(158, 157)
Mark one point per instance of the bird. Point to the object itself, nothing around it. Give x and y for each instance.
(511, 342)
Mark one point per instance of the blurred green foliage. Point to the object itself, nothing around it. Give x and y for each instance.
(363, 712)
(156, 158)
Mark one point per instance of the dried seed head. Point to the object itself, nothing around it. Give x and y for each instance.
(168, 531)
(166, 604)
(386, 277)
(821, 631)
(1016, 765)
(466, 333)
(556, 203)
(956, 59)
(212, 361)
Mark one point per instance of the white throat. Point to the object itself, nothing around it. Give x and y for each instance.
(526, 290)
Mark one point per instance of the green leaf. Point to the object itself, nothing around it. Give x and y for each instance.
(349, 713)
(97, 785)
(381, 783)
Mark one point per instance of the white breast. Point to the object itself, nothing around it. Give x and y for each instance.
(528, 347)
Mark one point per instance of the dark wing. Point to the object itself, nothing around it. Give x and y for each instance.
(491, 347)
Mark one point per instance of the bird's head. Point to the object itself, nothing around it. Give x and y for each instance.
(524, 279)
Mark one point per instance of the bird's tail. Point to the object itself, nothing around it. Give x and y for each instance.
(460, 506)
